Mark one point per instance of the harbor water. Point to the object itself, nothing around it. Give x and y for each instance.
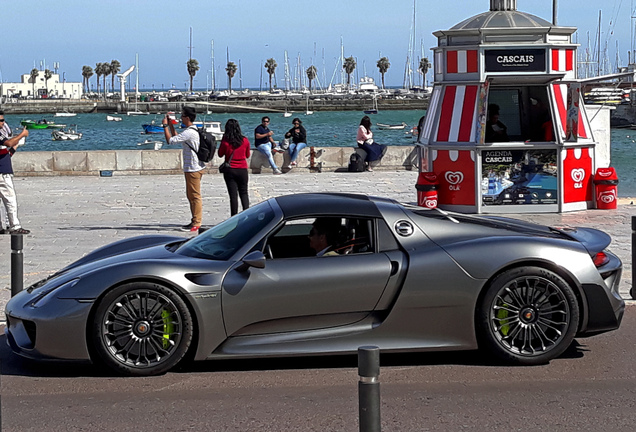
(324, 129)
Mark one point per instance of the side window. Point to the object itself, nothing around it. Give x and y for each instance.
(321, 236)
(386, 240)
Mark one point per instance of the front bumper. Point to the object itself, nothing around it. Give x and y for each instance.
(55, 329)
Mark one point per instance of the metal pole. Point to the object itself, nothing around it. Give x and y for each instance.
(632, 291)
(17, 264)
(369, 388)
(554, 12)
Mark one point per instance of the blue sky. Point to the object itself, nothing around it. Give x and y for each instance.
(79, 32)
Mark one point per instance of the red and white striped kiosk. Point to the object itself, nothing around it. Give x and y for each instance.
(506, 130)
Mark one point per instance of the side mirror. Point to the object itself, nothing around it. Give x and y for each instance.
(254, 259)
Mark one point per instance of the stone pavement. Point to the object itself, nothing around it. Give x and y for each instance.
(71, 215)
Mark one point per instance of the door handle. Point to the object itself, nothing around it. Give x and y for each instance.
(394, 268)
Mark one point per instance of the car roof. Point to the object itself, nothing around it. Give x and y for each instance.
(327, 204)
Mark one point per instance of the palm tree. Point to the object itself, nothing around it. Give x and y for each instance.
(33, 77)
(105, 73)
(349, 66)
(99, 69)
(231, 70)
(425, 65)
(383, 66)
(271, 66)
(311, 75)
(115, 67)
(47, 75)
(193, 68)
(87, 72)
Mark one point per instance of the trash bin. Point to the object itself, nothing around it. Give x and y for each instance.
(427, 190)
(605, 189)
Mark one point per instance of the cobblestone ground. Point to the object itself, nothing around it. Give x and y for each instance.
(72, 215)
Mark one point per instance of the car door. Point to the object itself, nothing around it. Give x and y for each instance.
(303, 293)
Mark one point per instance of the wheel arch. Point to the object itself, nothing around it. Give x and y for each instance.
(159, 281)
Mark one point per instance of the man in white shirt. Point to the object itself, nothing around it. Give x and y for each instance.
(8, 144)
(192, 166)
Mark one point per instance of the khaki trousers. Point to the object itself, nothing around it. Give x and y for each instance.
(193, 192)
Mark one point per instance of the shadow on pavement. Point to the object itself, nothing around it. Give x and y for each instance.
(12, 364)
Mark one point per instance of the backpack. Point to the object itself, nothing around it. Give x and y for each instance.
(207, 145)
(356, 163)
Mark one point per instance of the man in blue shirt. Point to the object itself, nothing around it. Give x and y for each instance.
(265, 143)
(8, 144)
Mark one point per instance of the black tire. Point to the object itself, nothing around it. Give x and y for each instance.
(141, 329)
(528, 316)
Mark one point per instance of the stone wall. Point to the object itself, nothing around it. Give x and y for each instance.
(140, 162)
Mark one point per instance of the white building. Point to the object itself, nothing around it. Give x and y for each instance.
(56, 89)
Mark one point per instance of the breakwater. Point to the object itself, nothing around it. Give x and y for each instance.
(233, 105)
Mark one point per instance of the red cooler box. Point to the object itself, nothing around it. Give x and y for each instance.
(427, 190)
(605, 188)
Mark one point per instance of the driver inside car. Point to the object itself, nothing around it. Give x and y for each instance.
(324, 236)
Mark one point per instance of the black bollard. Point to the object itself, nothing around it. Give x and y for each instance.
(632, 291)
(17, 264)
(369, 388)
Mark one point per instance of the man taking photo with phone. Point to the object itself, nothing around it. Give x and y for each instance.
(192, 166)
(8, 144)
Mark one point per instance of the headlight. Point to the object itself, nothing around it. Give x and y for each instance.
(45, 294)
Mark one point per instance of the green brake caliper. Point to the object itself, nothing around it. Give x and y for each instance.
(502, 314)
(168, 328)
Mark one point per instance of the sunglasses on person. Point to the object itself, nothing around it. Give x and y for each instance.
(1, 120)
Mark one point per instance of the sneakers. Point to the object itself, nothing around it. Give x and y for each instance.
(277, 149)
(16, 231)
(277, 171)
(190, 228)
(293, 164)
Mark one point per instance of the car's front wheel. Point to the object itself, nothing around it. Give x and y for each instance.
(528, 316)
(141, 329)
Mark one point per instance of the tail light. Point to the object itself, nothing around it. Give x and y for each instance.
(600, 259)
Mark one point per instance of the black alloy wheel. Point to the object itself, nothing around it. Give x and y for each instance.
(528, 316)
(141, 329)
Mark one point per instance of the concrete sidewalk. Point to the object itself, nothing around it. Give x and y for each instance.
(71, 215)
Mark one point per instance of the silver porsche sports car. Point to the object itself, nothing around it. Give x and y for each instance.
(322, 274)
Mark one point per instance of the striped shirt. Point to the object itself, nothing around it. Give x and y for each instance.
(189, 140)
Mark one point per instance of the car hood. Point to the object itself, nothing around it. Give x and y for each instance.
(124, 247)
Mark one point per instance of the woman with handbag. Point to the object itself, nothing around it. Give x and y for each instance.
(365, 141)
(236, 149)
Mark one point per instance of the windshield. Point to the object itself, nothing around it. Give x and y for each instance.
(223, 240)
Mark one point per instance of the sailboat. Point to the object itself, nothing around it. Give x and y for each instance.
(374, 109)
(136, 111)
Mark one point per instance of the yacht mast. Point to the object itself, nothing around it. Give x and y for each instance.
(212, 70)
(287, 74)
(342, 72)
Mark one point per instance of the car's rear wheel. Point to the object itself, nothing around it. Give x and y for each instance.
(141, 329)
(528, 316)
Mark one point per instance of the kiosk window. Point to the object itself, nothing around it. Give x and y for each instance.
(509, 110)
